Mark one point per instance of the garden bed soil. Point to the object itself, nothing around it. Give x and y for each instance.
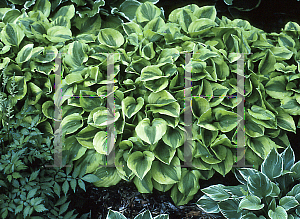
(125, 198)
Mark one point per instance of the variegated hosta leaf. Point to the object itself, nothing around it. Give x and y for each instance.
(208, 205)
(164, 153)
(58, 34)
(251, 202)
(156, 85)
(35, 93)
(209, 12)
(48, 55)
(147, 12)
(259, 185)
(179, 198)
(226, 120)
(151, 133)
(189, 182)
(103, 143)
(272, 166)
(185, 19)
(261, 113)
(200, 26)
(108, 177)
(140, 163)
(65, 11)
(121, 165)
(276, 87)
(172, 109)
(85, 136)
(166, 174)
(76, 54)
(144, 185)
(111, 37)
(71, 123)
(48, 109)
(151, 73)
(12, 35)
(25, 54)
(161, 98)
(174, 137)
(130, 106)
(216, 192)
(226, 165)
(89, 100)
(205, 121)
(278, 213)
(43, 6)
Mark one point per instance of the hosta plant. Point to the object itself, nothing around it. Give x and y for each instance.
(273, 192)
(144, 215)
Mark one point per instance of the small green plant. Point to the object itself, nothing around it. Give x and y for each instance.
(272, 193)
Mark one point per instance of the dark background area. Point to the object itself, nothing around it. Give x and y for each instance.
(270, 15)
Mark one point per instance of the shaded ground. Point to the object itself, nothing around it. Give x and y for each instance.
(125, 198)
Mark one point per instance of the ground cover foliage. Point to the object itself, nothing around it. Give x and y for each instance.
(149, 67)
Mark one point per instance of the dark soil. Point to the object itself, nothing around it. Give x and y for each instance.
(125, 198)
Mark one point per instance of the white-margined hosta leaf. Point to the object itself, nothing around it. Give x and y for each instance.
(147, 12)
(151, 133)
(208, 205)
(140, 162)
(111, 37)
(216, 192)
(161, 187)
(288, 158)
(279, 213)
(272, 166)
(166, 173)
(288, 202)
(259, 185)
(251, 202)
(227, 162)
(229, 208)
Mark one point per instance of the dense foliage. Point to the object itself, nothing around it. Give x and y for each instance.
(149, 65)
(273, 192)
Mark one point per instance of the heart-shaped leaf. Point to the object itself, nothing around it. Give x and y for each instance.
(140, 163)
(151, 133)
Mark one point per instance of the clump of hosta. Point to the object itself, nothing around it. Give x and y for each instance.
(273, 192)
(144, 215)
